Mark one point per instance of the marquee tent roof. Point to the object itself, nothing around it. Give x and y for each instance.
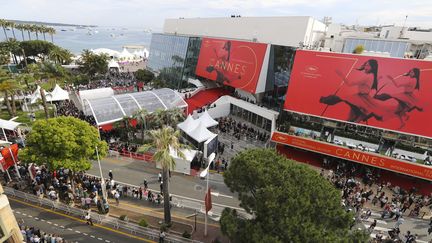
(107, 51)
(96, 93)
(200, 133)
(113, 108)
(57, 94)
(188, 125)
(189, 154)
(207, 120)
(36, 95)
(8, 125)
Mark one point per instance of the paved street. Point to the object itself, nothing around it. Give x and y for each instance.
(416, 226)
(68, 227)
(135, 171)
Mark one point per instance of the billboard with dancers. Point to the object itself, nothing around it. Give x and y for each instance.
(233, 63)
(389, 93)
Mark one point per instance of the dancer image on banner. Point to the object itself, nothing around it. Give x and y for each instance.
(362, 104)
(406, 99)
(222, 65)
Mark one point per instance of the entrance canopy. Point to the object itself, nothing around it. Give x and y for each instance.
(200, 133)
(207, 120)
(113, 108)
(57, 94)
(8, 125)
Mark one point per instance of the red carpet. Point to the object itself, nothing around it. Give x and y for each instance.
(205, 97)
(424, 187)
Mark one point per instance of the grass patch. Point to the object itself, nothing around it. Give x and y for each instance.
(24, 117)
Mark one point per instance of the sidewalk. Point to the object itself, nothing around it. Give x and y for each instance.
(136, 210)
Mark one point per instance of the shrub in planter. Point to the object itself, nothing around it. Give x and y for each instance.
(186, 234)
(143, 223)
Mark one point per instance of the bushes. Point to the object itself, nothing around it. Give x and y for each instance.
(143, 223)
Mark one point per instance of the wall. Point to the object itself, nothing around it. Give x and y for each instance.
(8, 222)
(289, 31)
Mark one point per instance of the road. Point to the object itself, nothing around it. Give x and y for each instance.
(415, 225)
(68, 227)
(135, 171)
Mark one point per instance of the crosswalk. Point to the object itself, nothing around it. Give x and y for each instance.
(382, 226)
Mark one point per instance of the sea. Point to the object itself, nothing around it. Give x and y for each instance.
(76, 39)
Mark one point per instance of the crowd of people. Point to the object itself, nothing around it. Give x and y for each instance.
(35, 235)
(68, 108)
(240, 130)
(395, 202)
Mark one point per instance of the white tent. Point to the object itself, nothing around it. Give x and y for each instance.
(207, 120)
(8, 125)
(113, 64)
(126, 55)
(57, 94)
(96, 93)
(188, 125)
(36, 95)
(181, 165)
(200, 133)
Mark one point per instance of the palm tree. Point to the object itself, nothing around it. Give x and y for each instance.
(8, 86)
(29, 29)
(21, 27)
(3, 24)
(141, 116)
(43, 29)
(170, 117)
(60, 55)
(12, 26)
(36, 28)
(52, 32)
(163, 141)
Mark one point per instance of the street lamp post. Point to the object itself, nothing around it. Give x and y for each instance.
(205, 173)
(104, 195)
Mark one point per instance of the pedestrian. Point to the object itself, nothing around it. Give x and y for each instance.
(110, 174)
(89, 220)
(399, 221)
(430, 230)
(372, 226)
(117, 196)
(161, 186)
(145, 184)
(162, 237)
(160, 177)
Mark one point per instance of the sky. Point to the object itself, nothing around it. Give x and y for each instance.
(151, 14)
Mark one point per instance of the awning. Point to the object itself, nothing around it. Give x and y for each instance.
(188, 125)
(8, 125)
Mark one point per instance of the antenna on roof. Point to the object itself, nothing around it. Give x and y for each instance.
(403, 27)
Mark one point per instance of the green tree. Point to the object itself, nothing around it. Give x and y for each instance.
(169, 117)
(162, 140)
(289, 202)
(60, 55)
(3, 24)
(7, 86)
(4, 56)
(21, 27)
(144, 75)
(36, 48)
(141, 116)
(63, 142)
(92, 64)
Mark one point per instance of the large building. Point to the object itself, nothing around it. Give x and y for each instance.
(298, 91)
(9, 230)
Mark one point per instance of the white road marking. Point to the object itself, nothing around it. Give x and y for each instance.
(85, 234)
(378, 221)
(30, 216)
(49, 222)
(70, 229)
(77, 232)
(43, 220)
(99, 238)
(18, 212)
(56, 224)
(92, 236)
(107, 241)
(24, 214)
(61, 226)
(378, 228)
(36, 218)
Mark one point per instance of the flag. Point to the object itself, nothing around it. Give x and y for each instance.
(8, 160)
(208, 202)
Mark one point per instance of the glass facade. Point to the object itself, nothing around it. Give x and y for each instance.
(395, 48)
(279, 70)
(251, 117)
(174, 58)
(167, 57)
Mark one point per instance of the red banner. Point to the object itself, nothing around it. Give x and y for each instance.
(7, 160)
(208, 201)
(388, 93)
(233, 63)
(371, 159)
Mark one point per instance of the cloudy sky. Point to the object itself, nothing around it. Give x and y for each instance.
(150, 14)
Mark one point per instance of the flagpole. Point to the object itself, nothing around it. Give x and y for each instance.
(206, 214)
(206, 173)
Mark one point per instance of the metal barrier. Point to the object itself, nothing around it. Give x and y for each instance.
(100, 219)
